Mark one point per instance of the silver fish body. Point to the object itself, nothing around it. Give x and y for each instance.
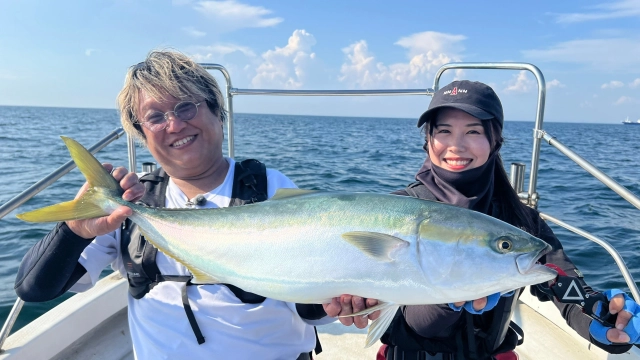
(294, 248)
(308, 247)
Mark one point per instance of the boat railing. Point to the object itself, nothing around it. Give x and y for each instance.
(530, 197)
(45, 182)
(27, 194)
(613, 185)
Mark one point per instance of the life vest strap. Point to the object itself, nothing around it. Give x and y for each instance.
(185, 303)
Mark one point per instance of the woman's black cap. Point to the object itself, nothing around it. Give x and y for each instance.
(473, 97)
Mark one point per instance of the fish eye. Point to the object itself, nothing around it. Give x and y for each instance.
(504, 245)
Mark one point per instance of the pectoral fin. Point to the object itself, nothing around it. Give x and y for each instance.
(377, 245)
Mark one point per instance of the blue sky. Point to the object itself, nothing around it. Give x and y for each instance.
(75, 53)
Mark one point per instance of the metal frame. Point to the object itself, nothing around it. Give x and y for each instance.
(530, 197)
(604, 178)
(610, 249)
(55, 175)
(34, 189)
(231, 92)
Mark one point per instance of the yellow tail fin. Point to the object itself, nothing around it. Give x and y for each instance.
(101, 187)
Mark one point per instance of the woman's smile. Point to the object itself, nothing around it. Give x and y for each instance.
(458, 163)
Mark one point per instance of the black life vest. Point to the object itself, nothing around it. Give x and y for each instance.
(479, 337)
(139, 256)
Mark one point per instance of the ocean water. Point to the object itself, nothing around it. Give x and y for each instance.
(336, 153)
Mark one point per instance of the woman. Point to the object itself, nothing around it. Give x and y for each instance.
(463, 128)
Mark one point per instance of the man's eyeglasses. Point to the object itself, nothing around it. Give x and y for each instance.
(158, 121)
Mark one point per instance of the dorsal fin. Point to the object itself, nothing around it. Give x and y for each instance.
(288, 193)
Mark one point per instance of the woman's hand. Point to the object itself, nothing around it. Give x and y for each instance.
(478, 306)
(616, 334)
(133, 191)
(348, 304)
(627, 326)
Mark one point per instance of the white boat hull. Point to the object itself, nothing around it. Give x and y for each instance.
(89, 325)
(93, 325)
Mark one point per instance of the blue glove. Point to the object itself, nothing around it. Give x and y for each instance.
(492, 301)
(599, 331)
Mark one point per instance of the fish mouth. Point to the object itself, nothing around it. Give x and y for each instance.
(526, 263)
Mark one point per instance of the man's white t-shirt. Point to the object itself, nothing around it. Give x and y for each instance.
(232, 329)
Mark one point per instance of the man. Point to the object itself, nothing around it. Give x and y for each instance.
(175, 107)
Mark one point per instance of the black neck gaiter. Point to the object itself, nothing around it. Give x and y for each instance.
(471, 189)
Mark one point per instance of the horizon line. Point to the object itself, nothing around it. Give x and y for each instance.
(346, 116)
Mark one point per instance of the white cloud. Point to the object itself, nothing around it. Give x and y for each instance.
(612, 84)
(614, 10)
(217, 52)
(555, 83)
(426, 51)
(89, 52)
(361, 68)
(612, 53)
(431, 41)
(521, 83)
(460, 74)
(635, 83)
(287, 67)
(623, 100)
(230, 15)
(193, 32)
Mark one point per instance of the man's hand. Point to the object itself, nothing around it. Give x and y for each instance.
(348, 304)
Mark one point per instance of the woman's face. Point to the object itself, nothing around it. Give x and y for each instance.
(458, 142)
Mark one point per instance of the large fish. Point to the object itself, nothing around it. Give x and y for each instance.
(308, 247)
